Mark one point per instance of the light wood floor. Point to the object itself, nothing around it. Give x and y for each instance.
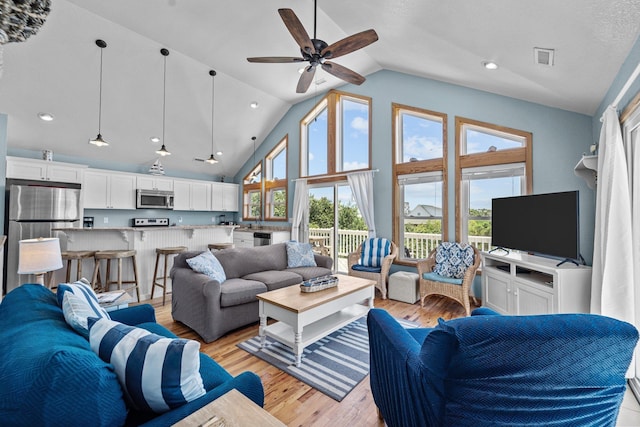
(291, 401)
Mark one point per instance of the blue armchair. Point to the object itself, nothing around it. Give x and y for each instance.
(489, 370)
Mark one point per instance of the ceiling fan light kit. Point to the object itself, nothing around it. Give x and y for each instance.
(163, 150)
(98, 141)
(317, 52)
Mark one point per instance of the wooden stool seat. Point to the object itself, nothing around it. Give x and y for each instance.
(118, 255)
(218, 246)
(166, 252)
(78, 256)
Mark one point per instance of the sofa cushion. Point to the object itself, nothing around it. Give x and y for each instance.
(310, 272)
(76, 312)
(240, 291)
(366, 268)
(238, 262)
(275, 279)
(60, 374)
(156, 373)
(207, 263)
(374, 250)
(300, 255)
(453, 259)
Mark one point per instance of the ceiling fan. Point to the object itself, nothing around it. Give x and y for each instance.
(317, 52)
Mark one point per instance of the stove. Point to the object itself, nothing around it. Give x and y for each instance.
(149, 222)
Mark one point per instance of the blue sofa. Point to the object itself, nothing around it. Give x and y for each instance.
(492, 370)
(49, 376)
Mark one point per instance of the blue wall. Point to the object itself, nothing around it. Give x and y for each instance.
(559, 139)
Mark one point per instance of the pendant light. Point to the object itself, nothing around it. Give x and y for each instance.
(98, 141)
(163, 150)
(212, 159)
(254, 174)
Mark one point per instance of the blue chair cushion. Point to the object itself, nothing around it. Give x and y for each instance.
(156, 373)
(366, 269)
(373, 251)
(438, 278)
(453, 259)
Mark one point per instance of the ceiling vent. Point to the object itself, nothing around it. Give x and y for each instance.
(544, 56)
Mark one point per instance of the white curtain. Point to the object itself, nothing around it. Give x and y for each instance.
(612, 292)
(361, 184)
(300, 218)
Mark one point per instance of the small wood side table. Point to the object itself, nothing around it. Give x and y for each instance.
(234, 409)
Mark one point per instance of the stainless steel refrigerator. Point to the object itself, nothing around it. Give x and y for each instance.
(34, 208)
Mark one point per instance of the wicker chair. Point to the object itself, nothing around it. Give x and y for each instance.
(381, 277)
(457, 292)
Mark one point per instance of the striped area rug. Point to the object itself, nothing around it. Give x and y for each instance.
(335, 365)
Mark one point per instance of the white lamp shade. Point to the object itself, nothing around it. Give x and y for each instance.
(39, 255)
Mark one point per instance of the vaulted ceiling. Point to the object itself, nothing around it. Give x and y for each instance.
(57, 70)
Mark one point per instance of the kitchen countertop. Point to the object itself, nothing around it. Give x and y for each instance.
(159, 228)
(263, 229)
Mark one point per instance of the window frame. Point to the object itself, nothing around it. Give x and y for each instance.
(271, 185)
(487, 159)
(402, 170)
(332, 101)
(247, 189)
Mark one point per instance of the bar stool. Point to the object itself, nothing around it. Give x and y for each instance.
(78, 256)
(118, 255)
(166, 252)
(219, 246)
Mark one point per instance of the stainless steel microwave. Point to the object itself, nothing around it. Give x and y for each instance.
(154, 199)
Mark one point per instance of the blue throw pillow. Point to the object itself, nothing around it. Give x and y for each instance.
(81, 289)
(207, 263)
(373, 251)
(76, 312)
(300, 255)
(156, 373)
(453, 259)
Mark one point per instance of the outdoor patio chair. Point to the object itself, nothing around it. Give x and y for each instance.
(372, 260)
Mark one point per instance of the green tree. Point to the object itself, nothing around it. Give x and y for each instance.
(321, 215)
(279, 204)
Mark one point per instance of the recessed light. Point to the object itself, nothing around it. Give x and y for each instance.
(155, 139)
(301, 70)
(47, 117)
(490, 65)
(218, 153)
(254, 105)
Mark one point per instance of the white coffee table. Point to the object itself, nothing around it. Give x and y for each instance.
(304, 318)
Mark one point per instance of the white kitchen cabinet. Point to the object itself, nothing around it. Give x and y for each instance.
(523, 284)
(109, 190)
(191, 195)
(224, 197)
(243, 239)
(154, 183)
(42, 170)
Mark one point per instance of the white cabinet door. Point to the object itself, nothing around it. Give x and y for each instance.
(496, 292)
(224, 197)
(123, 191)
(154, 183)
(105, 190)
(182, 195)
(24, 169)
(43, 170)
(96, 190)
(200, 196)
(243, 239)
(531, 300)
(61, 173)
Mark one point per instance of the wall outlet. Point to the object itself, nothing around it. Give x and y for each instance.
(106, 220)
(179, 219)
(213, 219)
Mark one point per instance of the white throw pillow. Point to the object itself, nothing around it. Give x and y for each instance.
(300, 255)
(76, 312)
(207, 263)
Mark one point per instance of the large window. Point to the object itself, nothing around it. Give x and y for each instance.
(419, 161)
(252, 194)
(491, 161)
(276, 182)
(336, 136)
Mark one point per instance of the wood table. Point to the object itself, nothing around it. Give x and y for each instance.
(304, 318)
(232, 409)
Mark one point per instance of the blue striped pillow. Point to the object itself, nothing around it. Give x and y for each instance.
(76, 312)
(374, 250)
(81, 289)
(156, 373)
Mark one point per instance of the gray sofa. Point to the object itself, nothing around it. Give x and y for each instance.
(212, 309)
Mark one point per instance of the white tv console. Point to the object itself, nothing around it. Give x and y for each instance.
(521, 284)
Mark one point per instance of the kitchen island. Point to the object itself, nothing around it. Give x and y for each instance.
(144, 240)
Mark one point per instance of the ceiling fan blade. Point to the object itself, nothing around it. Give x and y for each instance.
(297, 30)
(276, 59)
(198, 160)
(350, 44)
(343, 73)
(305, 79)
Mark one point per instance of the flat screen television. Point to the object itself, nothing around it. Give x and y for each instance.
(544, 224)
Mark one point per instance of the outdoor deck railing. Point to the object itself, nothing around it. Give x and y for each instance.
(418, 244)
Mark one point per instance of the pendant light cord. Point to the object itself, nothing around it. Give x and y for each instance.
(164, 98)
(100, 96)
(315, 20)
(212, 106)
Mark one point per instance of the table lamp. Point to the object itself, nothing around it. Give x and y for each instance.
(39, 256)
